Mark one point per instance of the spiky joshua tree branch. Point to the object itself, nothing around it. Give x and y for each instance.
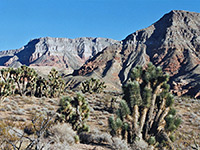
(146, 112)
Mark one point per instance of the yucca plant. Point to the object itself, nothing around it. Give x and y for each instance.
(55, 83)
(146, 110)
(75, 111)
(7, 86)
(25, 79)
(93, 86)
(6, 89)
(41, 87)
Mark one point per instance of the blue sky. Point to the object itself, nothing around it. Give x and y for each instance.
(23, 20)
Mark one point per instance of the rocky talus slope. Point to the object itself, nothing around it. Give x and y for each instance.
(173, 43)
(58, 52)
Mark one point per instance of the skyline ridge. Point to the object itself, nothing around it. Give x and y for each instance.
(114, 19)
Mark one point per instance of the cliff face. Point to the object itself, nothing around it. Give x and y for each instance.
(173, 43)
(60, 52)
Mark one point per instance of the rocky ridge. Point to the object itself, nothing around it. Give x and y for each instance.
(58, 52)
(173, 43)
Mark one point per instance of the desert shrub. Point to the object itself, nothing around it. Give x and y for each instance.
(195, 146)
(62, 133)
(119, 144)
(172, 137)
(95, 137)
(103, 138)
(42, 134)
(86, 137)
(98, 137)
(14, 138)
(55, 146)
(7, 136)
(93, 86)
(113, 105)
(29, 129)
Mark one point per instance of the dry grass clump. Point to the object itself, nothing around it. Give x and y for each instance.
(40, 134)
(63, 132)
(60, 137)
(119, 144)
(9, 134)
(96, 137)
(101, 138)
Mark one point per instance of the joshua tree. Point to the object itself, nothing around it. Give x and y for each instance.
(146, 112)
(7, 86)
(25, 81)
(53, 86)
(75, 111)
(41, 87)
(93, 86)
(25, 78)
(56, 84)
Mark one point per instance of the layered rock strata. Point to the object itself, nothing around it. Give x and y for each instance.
(173, 43)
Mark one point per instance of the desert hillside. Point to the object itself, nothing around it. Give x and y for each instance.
(20, 110)
(171, 43)
(141, 93)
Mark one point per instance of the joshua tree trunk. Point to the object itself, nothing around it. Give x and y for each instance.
(162, 105)
(150, 113)
(19, 88)
(162, 116)
(135, 116)
(143, 118)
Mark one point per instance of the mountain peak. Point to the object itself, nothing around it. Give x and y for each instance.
(180, 16)
(179, 11)
(173, 42)
(182, 12)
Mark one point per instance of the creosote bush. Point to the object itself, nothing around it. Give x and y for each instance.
(6, 135)
(93, 86)
(98, 137)
(41, 134)
(62, 133)
(146, 112)
(13, 137)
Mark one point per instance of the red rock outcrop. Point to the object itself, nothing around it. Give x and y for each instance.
(60, 52)
(173, 43)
